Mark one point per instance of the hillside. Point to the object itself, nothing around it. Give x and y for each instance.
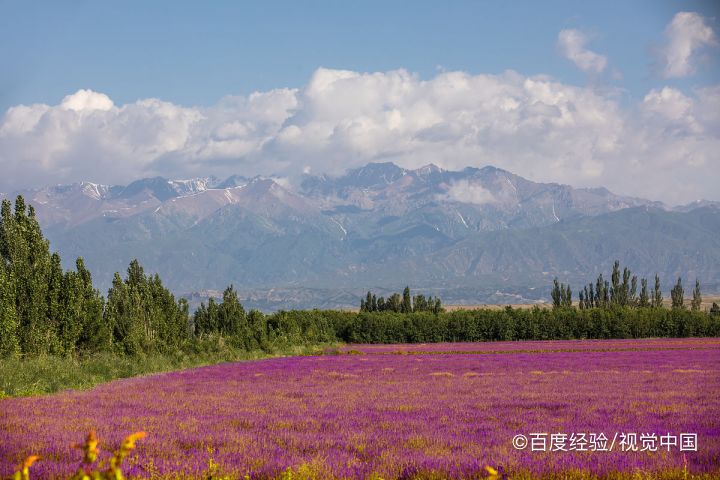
(472, 236)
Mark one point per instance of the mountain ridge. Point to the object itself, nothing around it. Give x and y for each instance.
(482, 230)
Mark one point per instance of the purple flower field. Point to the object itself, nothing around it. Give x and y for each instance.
(416, 415)
(533, 346)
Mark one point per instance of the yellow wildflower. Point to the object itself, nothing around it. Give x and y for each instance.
(23, 471)
(90, 447)
(129, 442)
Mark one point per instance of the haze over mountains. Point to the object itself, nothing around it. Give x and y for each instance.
(471, 236)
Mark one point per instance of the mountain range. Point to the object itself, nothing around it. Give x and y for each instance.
(472, 236)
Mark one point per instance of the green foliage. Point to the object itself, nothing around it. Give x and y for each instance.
(561, 295)
(144, 315)
(43, 309)
(623, 292)
(404, 304)
(657, 299)
(95, 334)
(9, 344)
(48, 374)
(644, 300)
(519, 324)
(677, 294)
(697, 297)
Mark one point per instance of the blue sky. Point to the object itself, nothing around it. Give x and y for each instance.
(194, 53)
(624, 95)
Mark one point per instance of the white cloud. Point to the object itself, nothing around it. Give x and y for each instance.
(466, 192)
(687, 33)
(86, 100)
(571, 43)
(533, 126)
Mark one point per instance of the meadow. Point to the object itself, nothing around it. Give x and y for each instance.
(393, 412)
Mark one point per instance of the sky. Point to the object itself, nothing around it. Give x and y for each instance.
(624, 95)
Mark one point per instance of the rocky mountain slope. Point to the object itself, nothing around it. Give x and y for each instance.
(475, 235)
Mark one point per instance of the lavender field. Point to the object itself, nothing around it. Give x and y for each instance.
(398, 411)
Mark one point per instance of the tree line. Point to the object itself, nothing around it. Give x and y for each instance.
(622, 291)
(45, 309)
(405, 304)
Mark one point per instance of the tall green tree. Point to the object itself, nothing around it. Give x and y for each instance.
(657, 298)
(601, 293)
(9, 342)
(615, 285)
(121, 316)
(644, 299)
(231, 317)
(632, 298)
(437, 306)
(144, 315)
(677, 295)
(406, 306)
(697, 297)
(561, 294)
(95, 335)
(26, 255)
(394, 303)
(556, 294)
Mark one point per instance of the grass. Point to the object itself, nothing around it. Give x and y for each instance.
(49, 374)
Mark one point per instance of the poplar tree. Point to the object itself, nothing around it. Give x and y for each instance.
(556, 294)
(9, 343)
(606, 293)
(600, 292)
(568, 297)
(95, 334)
(119, 315)
(200, 321)
(644, 300)
(231, 315)
(26, 256)
(393, 303)
(615, 287)
(697, 297)
(438, 308)
(657, 299)
(406, 306)
(381, 306)
(58, 321)
(71, 322)
(677, 295)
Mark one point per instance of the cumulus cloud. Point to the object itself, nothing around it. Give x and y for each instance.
(687, 33)
(571, 43)
(86, 100)
(465, 191)
(531, 125)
